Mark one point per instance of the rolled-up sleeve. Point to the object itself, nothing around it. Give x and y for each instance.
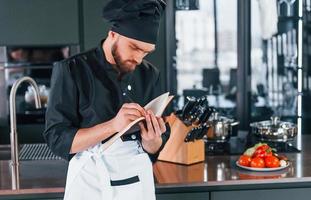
(62, 119)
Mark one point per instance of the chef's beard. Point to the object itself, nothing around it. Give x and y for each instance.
(123, 66)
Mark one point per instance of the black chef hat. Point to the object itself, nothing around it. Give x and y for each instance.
(137, 19)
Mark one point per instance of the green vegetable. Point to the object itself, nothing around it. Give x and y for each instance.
(251, 151)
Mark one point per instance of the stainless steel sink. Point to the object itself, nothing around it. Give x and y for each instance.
(35, 174)
(39, 168)
(37, 152)
(29, 152)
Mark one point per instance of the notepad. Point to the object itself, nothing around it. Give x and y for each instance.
(157, 106)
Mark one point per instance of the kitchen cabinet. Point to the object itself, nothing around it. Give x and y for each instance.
(31, 197)
(39, 22)
(184, 196)
(284, 194)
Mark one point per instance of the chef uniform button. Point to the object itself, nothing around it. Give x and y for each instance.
(133, 136)
(129, 87)
(124, 94)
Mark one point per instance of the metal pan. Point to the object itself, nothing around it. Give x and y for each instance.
(274, 130)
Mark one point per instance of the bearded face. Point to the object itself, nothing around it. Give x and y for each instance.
(127, 52)
(124, 62)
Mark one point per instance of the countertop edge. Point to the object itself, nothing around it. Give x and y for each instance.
(236, 185)
(193, 187)
(32, 191)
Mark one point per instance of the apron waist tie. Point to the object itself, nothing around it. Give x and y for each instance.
(104, 177)
(79, 160)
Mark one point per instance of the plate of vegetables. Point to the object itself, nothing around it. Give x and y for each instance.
(262, 157)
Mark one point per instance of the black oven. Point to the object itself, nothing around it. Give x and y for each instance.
(36, 62)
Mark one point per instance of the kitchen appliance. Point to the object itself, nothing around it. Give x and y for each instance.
(220, 128)
(270, 131)
(274, 130)
(221, 136)
(278, 134)
(238, 143)
(35, 62)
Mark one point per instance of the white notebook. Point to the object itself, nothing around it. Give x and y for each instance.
(157, 106)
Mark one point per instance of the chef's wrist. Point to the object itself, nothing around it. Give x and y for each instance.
(152, 147)
(108, 128)
(113, 126)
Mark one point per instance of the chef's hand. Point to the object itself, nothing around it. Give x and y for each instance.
(151, 132)
(127, 113)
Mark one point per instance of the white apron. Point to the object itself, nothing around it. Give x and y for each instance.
(121, 172)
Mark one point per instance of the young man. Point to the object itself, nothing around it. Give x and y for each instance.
(92, 98)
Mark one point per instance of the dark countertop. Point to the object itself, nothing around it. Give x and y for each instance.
(44, 176)
(216, 173)
(221, 173)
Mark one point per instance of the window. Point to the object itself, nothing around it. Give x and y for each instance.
(206, 55)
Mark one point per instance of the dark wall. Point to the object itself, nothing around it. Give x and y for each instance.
(94, 27)
(38, 22)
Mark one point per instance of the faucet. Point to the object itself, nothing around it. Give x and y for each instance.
(13, 135)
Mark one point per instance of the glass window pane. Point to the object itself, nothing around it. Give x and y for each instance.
(195, 44)
(274, 63)
(207, 62)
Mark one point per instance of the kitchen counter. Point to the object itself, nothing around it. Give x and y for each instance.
(221, 173)
(37, 178)
(217, 173)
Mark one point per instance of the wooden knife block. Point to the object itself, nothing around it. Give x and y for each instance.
(166, 172)
(178, 151)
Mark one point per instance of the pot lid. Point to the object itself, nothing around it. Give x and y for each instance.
(273, 124)
(216, 118)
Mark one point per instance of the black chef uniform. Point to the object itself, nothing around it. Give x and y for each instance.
(86, 91)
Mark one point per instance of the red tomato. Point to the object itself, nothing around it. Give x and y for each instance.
(257, 162)
(263, 151)
(272, 161)
(269, 153)
(245, 160)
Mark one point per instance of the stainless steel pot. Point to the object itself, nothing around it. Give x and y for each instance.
(274, 130)
(220, 128)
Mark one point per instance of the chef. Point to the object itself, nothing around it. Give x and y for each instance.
(97, 93)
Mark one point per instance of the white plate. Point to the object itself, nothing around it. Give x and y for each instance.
(261, 169)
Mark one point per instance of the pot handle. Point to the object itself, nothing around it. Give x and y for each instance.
(234, 123)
